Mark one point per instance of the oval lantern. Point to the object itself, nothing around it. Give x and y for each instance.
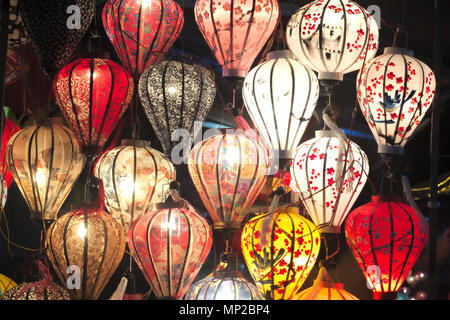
(45, 161)
(280, 95)
(170, 245)
(332, 37)
(386, 237)
(135, 177)
(236, 31)
(93, 95)
(142, 31)
(329, 173)
(280, 250)
(228, 171)
(9, 129)
(90, 239)
(394, 91)
(175, 94)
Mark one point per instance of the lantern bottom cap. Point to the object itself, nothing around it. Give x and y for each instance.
(234, 73)
(384, 295)
(227, 225)
(136, 143)
(323, 75)
(330, 229)
(277, 54)
(396, 150)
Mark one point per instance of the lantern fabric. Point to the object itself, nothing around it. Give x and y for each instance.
(93, 95)
(175, 94)
(394, 91)
(280, 95)
(9, 129)
(45, 161)
(17, 33)
(41, 290)
(134, 177)
(3, 191)
(170, 246)
(332, 37)
(91, 240)
(5, 285)
(280, 249)
(236, 31)
(53, 41)
(329, 173)
(228, 171)
(386, 237)
(142, 31)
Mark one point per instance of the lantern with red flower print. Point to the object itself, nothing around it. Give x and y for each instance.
(9, 129)
(386, 237)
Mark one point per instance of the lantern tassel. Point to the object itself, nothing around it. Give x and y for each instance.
(408, 194)
(120, 290)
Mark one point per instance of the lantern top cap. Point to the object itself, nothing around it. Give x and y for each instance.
(395, 50)
(136, 143)
(386, 198)
(277, 54)
(326, 134)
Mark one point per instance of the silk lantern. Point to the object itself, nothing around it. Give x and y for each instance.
(332, 37)
(45, 161)
(142, 31)
(386, 237)
(170, 245)
(91, 240)
(280, 95)
(175, 94)
(236, 31)
(280, 250)
(228, 171)
(394, 91)
(93, 95)
(134, 177)
(9, 129)
(40, 290)
(329, 173)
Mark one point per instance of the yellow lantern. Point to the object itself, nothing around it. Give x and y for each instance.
(5, 284)
(280, 249)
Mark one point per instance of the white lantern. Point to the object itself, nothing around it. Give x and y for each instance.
(332, 37)
(280, 96)
(394, 91)
(329, 173)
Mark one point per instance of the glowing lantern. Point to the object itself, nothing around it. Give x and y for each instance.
(332, 37)
(135, 177)
(280, 96)
(228, 171)
(91, 240)
(9, 129)
(174, 94)
(170, 245)
(280, 249)
(142, 31)
(93, 95)
(386, 237)
(236, 31)
(45, 161)
(329, 173)
(394, 92)
(5, 285)
(40, 290)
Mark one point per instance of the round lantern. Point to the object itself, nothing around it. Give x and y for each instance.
(280, 249)
(93, 94)
(236, 31)
(142, 31)
(174, 95)
(135, 177)
(332, 37)
(394, 92)
(89, 243)
(386, 237)
(328, 174)
(170, 245)
(228, 171)
(280, 96)
(5, 285)
(45, 161)
(9, 129)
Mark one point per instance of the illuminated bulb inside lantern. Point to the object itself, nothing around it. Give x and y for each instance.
(172, 90)
(170, 225)
(127, 187)
(146, 4)
(41, 178)
(82, 231)
(231, 156)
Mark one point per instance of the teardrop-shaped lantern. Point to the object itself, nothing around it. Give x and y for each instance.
(170, 245)
(280, 250)
(45, 161)
(93, 94)
(332, 37)
(9, 129)
(236, 31)
(228, 171)
(329, 173)
(394, 91)
(386, 237)
(280, 96)
(135, 177)
(89, 243)
(175, 94)
(142, 31)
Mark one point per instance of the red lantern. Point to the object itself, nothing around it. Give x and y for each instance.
(386, 237)
(142, 31)
(93, 94)
(9, 129)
